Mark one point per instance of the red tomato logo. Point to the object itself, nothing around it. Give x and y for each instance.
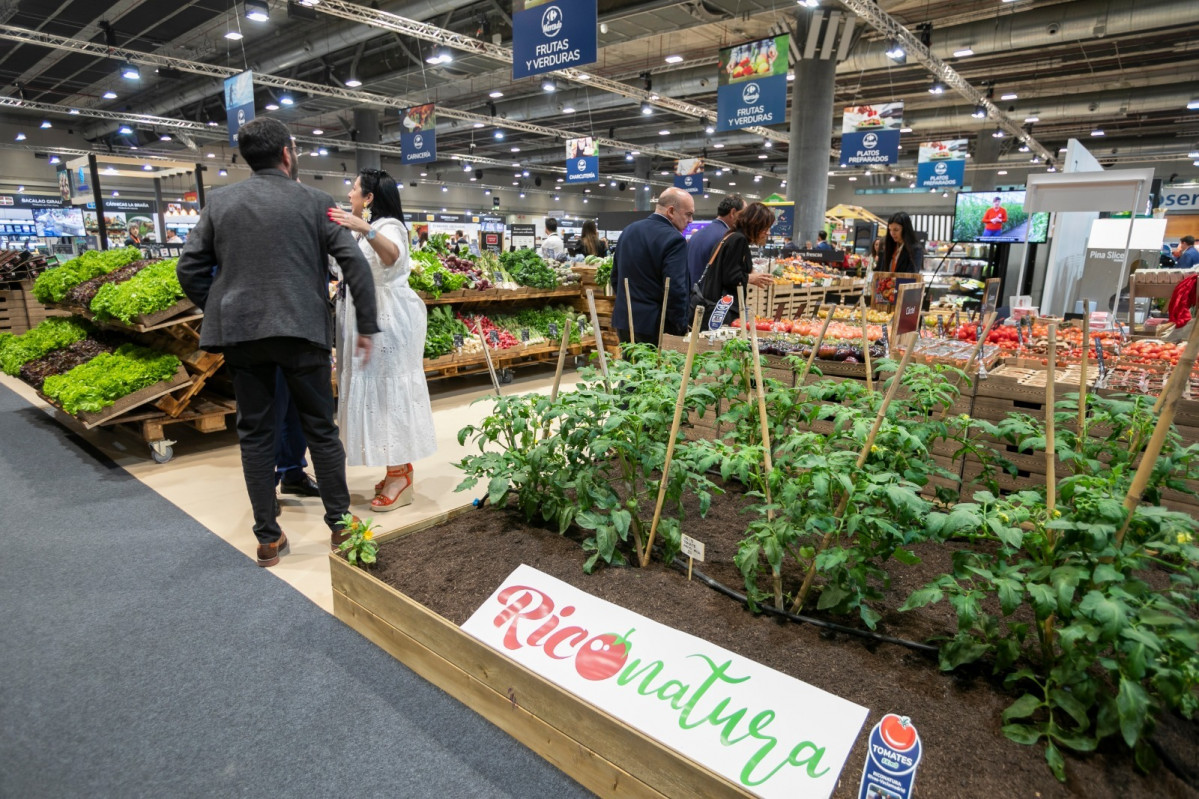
(898, 732)
(603, 656)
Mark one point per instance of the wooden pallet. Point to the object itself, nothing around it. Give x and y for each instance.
(470, 297)
(457, 365)
(127, 403)
(206, 414)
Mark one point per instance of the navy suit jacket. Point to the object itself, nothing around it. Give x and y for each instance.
(700, 247)
(649, 251)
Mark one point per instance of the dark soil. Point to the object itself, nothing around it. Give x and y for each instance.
(83, 294)
(62, 361)
(453, 569)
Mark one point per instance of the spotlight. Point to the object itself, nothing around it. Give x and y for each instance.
(499, 134)
(439, 55)
(353, 82)
(271, 106)
(130, 72)
(937, 87)
(980, 112)
(1193, 105)
(998, 134)
(223, 172)
(768, 144)
(1010, 96)
(965, 52)
(20, 136)
(896, 53)
(674, 59)
(495, 95)
(125, 130)
(46, 124)
(116, 194)
(549, 85)
(1098, 132)
(54, 159)
(285, 99)
(569, 109)
(257, 10)
(165, 137)
(318, 132)
(709, 130)
(466, 167)
(628, 156)
(646, 108)
(147, 168)
(233, 35)
(110, 95)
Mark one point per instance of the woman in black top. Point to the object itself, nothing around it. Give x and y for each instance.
(590, 243)
(733, 262)
(901, 253)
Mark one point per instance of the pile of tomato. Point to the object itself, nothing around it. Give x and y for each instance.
(1152, 352)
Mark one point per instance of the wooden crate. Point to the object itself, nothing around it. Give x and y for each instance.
(14, 318)
(600, 752)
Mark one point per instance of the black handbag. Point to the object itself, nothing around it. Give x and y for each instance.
(698, 295)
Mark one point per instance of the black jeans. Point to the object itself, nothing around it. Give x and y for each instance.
(290, 444)
(307, 371)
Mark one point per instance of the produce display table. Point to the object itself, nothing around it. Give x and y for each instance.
(1156, 283)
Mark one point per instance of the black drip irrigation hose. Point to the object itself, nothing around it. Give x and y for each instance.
(679, 563)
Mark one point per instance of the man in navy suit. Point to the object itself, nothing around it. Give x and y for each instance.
(703, 242)
(649, 251)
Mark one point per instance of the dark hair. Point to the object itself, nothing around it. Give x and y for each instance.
(1188, 240)
(551, 224)
(754, 222)
(387, 197)
(589, 239)
(997, 200)
(262, 142)
(822, 236)
(908, 234)
(731, 202)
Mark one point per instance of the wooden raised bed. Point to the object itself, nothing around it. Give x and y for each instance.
(600, 752)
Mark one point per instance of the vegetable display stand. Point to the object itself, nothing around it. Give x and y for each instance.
(490, 296)
(112, 414)
(600, 752)
(458, 365)
(793, 300)
(181, 312)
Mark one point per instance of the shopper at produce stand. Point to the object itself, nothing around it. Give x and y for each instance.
(1188, 256)
(732, 263)
(383, 410)
(704, 241)
(822, 241)
(651, 250)
(256, 263)
(590, 243)
(552, 245)
(901, 253)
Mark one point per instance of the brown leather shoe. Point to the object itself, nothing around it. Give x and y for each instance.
(339, 536)
(269, 554)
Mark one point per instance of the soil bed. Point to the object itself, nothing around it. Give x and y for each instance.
(453, 568)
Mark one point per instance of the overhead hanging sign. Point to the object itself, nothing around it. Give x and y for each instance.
(239, 103)
(752, 85)
(548, 36)
(689, 175)
(941, 164)
(870, 134)
(769, 733)
(582, 160)
(418, 134)
(1179, 198)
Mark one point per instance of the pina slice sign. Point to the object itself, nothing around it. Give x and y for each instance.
(773, 735)
(693, 548)
(893, 753)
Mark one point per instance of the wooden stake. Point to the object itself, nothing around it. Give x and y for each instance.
(767, 457)
(975, 354)
(1082, 380)
(628, 299)
(1172, 393)
(674, 432)
(819, 340)
(599, 340)
(662, 321)
(866, 343)
(908, 346)
(1050, 447)
(558, 372)
(487, 356)
(690, 563)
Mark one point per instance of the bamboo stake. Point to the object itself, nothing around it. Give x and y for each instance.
(1082, 380)
(599, 340)
(662, 320)
(819, 340)
(767, 457)
(1172, 393)
(908, 347)
(866, 342)
(1050, 446)
(628, 299)
(558, 372)
(487, 356)
(674, 432)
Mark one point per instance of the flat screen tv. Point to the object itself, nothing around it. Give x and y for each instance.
(996, 216)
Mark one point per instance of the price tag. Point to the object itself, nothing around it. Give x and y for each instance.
(553, 330)
(493, 336)
(693, 549)
(438, 279)
(497, 277)
(459, 341)
(907, 315)
(524, 335)
(991, 296)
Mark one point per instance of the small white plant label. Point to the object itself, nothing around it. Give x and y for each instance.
(693, 549)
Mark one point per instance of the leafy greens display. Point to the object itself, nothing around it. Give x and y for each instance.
(53, 284)
(108, 377)
(153, 289)
(52, 334)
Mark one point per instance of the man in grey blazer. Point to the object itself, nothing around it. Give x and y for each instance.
(257, 264)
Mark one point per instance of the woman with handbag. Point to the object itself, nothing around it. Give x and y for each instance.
(731, 265)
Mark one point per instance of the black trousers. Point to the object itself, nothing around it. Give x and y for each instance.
(290, 444)
(307, 371)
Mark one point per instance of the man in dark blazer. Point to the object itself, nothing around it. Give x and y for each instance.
(703, 242)
(649, 251)
(257, 264)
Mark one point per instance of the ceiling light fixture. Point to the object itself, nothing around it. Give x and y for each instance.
(147, 168)
(1030, 120)
(499, 134)
(628, 156)
(998, 134)
(233, 35)
(1001, 172)
(110, 95)
(54, 159)
(46, 124)
(353, 82)
(549, 85)
(663, 132)
(439, 55)
(165, 137)
(495, 95)
(271, 106)
(223, 172)
(285, 99)
(74, 112)
(709, 130)
(1024, 148)
(674, 59)
(1098, 132)
(318, 132)
(965, 52)
(130, 72)
(896, 53)
(1193, 105)
(937, 87)
(1009, 96)
(257, 10)
(646, 108)
(569, 109)
(116, 194)
(980, 112)
(125, 130)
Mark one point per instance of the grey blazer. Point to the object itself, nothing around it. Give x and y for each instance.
(256, 264)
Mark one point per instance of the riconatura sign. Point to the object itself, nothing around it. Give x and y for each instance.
(770, 733)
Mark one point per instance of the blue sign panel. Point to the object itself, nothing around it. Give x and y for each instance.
(584, 169)
(239, 102)
(891, 759)
(784, 219)
(418, 134)
(870, 147)
(693, 183)
(552, 36)
(752, 86)
(940, 174)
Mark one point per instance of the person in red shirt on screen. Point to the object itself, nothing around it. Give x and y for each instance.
(994, 219)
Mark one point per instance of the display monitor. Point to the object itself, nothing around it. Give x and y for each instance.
(59, 222)
(996, 216)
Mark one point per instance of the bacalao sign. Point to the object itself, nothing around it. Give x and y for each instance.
(770, 733)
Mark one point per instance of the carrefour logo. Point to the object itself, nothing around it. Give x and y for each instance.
(941, 168)
(751, 94)
(582, 164)
(687, 181)
(418, 141)
(551, 22)
(870, 141)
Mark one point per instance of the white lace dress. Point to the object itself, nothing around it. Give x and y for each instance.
(383, 408)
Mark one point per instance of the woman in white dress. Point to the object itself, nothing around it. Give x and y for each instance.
(383, 407)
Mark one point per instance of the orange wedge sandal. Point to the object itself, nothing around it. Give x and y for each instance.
(383, 502)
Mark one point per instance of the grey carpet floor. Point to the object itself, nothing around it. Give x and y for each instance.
(140, 655)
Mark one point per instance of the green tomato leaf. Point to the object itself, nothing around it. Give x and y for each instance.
(1022, 733)
(1057, 764)
(496, 490)
(1022, 708)
(1132, 705)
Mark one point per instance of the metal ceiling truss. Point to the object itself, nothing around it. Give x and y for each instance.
(352, 96)
(891, 28)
